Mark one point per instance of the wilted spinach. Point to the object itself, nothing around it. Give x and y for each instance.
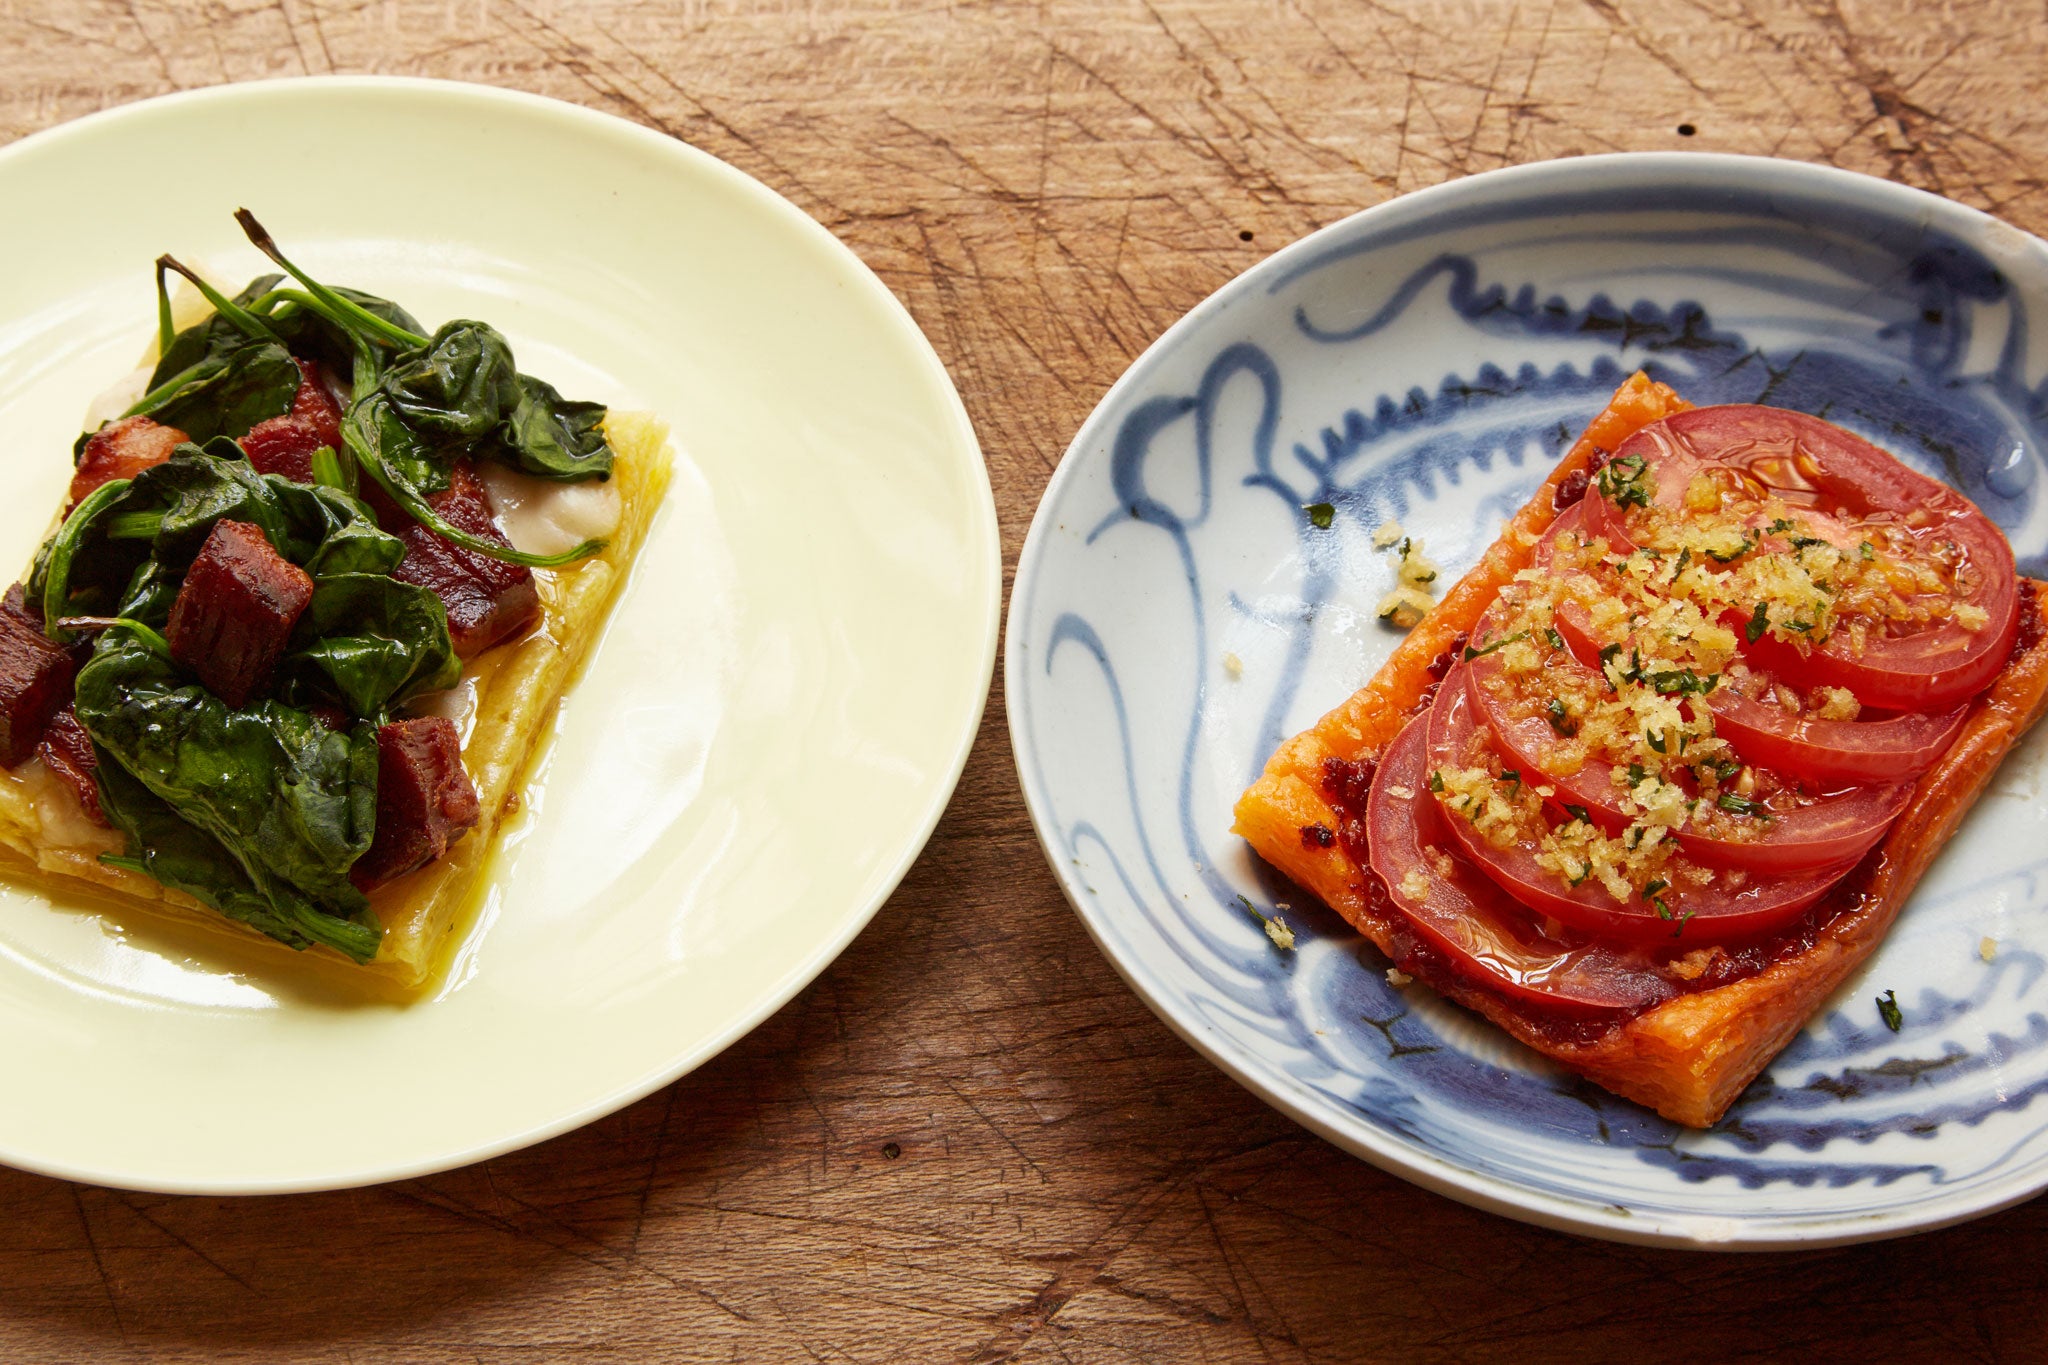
(366, 642)
(292, 803)
(431, 401)
(261, 812)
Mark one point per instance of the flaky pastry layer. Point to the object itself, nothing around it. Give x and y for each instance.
(516, 688)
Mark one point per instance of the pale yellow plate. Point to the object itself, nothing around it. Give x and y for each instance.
(756, 751)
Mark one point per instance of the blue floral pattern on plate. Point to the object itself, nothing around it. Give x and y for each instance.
(1176, 615)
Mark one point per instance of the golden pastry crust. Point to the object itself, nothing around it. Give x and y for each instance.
(1690, 1057)
(516, 688)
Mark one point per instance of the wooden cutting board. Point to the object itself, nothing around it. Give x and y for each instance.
(968, 1141)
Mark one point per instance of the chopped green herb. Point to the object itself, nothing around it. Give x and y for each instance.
(1654, 886)
(1799, 625)
(1663, 910)
(1436, 782)
(1684, 558)
(1680, 929)
(1779, 525)
(1888, 1010)
(1632, 837)
(1636, 773)
(1866, 551)
(1320, 515)
(1624, 482)
(1655, 739)
(1502, 643)
(1556, 640)
(1759, 622)
(1511, 775)
(1740, 805)
(1681, 682)
(1559, 718)
(1578, 813)
(1804, 543)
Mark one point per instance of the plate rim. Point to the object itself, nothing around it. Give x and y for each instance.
(1318, 1113)
(983, 541)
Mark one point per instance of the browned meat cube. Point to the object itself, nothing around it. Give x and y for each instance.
(487, 599)
(425, 800)
(283, 445)
(121, 450)
(316, 407)
(35, 678)
(236, 610)
(67, 751)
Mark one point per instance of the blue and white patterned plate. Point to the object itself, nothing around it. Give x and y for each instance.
(1176, 616)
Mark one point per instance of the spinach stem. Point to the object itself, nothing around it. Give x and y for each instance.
(157, 644)
(421, 511)
(328, 470)
(57, 578)
(165, 333)
(170, 388)
(134, 525)
(246, 322)
(363, 317)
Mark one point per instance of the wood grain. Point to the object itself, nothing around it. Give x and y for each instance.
(968, 1141)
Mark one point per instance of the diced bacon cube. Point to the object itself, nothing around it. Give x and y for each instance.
(35, 678)
(487, 599)
(425, 800)
(67, 751)
(284, 446)
(235, 612)
(316, 407)
(121, 450)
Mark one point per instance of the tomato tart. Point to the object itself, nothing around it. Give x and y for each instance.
(1660, 771)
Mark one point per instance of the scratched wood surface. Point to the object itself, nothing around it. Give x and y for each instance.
(968, 1141)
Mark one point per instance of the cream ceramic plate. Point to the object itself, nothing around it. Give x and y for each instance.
(757, 750)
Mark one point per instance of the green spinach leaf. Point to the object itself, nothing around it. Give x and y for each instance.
(250, 384)
(210, 339)
(554, 437)
(370, 641)
(458, 388)
(293, 803)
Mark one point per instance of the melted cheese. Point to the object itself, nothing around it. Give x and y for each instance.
(541, 516)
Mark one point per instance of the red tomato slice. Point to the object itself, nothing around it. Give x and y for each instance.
(1476, 926)
(1827, 752)
(1837, 829)
(1897, 749)
(1710, 914)
(1818, 466)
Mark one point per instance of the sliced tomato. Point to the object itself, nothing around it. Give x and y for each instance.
(1837, 828)
(1589, 518)
(1476, 926)
(1896, 749)
(1828, 753)
(1834, 474)
(1712, 914)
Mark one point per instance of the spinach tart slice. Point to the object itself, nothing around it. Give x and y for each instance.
(321, 579)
